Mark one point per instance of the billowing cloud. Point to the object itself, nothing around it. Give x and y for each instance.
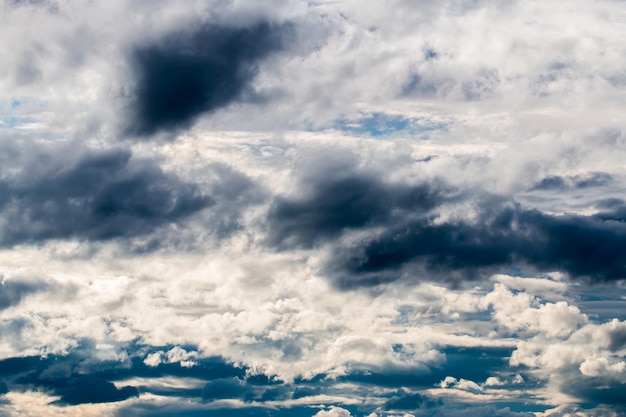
(502, 235)
(314, 208)
(409, 236)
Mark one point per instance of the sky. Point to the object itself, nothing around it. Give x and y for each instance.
(313, 208)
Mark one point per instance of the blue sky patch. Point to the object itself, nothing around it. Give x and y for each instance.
(380, 125)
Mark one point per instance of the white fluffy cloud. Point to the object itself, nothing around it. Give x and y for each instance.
(334, 412)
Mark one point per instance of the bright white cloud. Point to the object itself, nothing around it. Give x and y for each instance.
(334, 412)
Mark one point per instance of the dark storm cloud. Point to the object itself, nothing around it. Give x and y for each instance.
(407, 239)
(187, 74)
(348, 202)
(90, 389)
(102, 196)
(505, 235)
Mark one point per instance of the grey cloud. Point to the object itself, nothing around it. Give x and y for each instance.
(505, 235)
(27, 71)
(194, 410)
(557, 182)
(50, 6)
(230, 388)
(102, 196)
(234, 192)
(415, 244)
(186, 74)
(598, 390)
(55, 375)
(90, 389)
(417, 86)
(478, 411)
(404, 400)
(12, 292)
(348, 202)
(617, 339)
(484, 84)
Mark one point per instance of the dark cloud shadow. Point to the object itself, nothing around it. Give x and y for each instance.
(196, 71)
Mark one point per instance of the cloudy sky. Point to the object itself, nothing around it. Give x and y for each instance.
(313, 208)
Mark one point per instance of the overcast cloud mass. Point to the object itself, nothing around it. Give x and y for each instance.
(313, 208)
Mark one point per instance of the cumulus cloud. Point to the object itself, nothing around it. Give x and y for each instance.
(410, 208)
(462, 384)
(174, 355)
(334, 412)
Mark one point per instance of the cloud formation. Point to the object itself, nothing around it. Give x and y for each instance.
(501, 235)
(408, 237)
(100, 196)
(297, 208)
(188, 73)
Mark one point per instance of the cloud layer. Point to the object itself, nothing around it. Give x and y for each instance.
(312, 208)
